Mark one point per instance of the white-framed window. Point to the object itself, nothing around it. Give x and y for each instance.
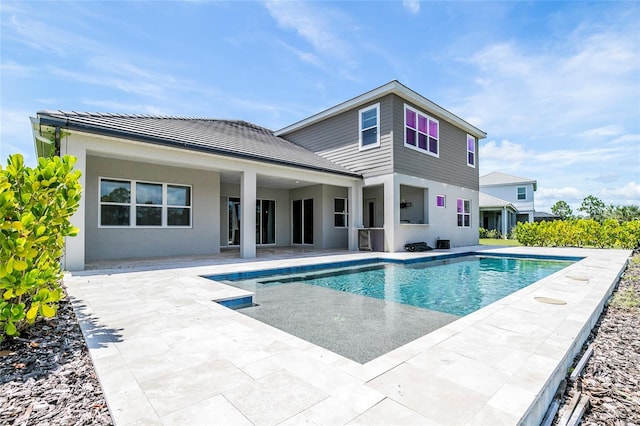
(340, 212)
(522, 193)
(369, 127)
(141, 204)
(441, 201)
(464, 213)
(421, 132)
(471, 151)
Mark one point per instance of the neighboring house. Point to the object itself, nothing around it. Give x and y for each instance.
(388, 159)
(506, 200)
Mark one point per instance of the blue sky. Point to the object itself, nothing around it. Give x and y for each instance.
(556, 85)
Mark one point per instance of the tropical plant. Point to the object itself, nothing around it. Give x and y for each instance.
(35, 207)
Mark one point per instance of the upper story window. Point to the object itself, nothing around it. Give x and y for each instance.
(421, 131)
(130, 203)
(464, 213)
(522, 193)
(471, 151)
(340, 213)
(369, 130)
(441, 201)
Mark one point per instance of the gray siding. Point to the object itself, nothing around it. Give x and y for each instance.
(451, 167)
(336, 139)
(121, 243)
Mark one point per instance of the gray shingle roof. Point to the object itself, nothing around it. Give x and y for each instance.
(233, 138)
(497, 178)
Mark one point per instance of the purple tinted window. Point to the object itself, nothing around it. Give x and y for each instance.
(422, 141)
(433, 129)
(433, 145)
(460, 201)
(471, 144)
(411, 118)
(422, 123)
(411, 137)
(471, 159)
(440, 200)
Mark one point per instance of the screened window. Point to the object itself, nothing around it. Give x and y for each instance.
(471, 151)
(144, 204)
(441, 201)
(522, 193)
(340, 213)
(464, 213)
(369, 120)
(421, 131)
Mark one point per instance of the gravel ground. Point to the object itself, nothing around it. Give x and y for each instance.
(610, 379)
(47, 378)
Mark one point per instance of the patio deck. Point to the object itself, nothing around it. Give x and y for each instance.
(166, 354)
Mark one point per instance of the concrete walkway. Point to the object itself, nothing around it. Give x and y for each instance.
(165, 353)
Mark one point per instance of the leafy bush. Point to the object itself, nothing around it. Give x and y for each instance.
(490, 233)
(35, 207)
(580, 233)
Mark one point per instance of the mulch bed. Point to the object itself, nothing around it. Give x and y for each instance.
(47, 377)
(611, 378)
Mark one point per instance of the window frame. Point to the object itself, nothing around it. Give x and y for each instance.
(133, 204)
(471, 153)
(418, 132)
(465, 213)
(361, 130)
(524, 195)
(444, 201)
(344, 213)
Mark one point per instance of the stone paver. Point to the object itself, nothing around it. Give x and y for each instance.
(166, 353)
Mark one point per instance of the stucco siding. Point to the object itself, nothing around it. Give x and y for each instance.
(333, 237)
(451, 165)
(130, 242)
(337, 140)
(510, 193)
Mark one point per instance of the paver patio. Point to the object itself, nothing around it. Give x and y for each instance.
(165, 353)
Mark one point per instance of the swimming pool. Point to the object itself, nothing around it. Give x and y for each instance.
(455, 285)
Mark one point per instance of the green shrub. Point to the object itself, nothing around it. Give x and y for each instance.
(580, 233)
(35, 207)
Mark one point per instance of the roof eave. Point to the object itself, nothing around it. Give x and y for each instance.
(394, 87)
(87, 128)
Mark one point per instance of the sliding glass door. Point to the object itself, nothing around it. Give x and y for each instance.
(302, 221)
(265, 221)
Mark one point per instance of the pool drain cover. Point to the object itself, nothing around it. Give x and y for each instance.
(550, 301)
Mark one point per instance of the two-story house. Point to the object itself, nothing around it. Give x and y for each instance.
(388, 160)
(506, 200)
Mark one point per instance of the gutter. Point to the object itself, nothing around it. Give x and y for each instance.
(66, 123)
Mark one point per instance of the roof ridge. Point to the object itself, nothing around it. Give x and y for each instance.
(127, 115)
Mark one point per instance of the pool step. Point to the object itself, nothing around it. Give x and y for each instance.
(236, 302)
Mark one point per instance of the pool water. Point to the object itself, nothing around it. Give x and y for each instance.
(456, 286)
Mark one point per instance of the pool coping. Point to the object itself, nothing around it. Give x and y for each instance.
(500, 364)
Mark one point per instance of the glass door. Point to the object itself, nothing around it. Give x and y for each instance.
(265, 221)
(233, 205)
(302, 221)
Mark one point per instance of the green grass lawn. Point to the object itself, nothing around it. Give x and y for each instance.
(498, 242)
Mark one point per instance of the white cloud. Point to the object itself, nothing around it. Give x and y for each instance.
(413, 6)
(611, 130)
(627, 194)
(310, 23)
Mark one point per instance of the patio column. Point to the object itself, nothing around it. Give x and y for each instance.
(391, 212)
(74, 248)
(248, 214)
(355, 214)
(505, 223)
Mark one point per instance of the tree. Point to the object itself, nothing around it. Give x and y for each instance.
(562, 209)
(593, 207)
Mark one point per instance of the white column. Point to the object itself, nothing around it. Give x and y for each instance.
(355, 214)
(248, 214)
(73, 258)
(391, 212)
(505, 223)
